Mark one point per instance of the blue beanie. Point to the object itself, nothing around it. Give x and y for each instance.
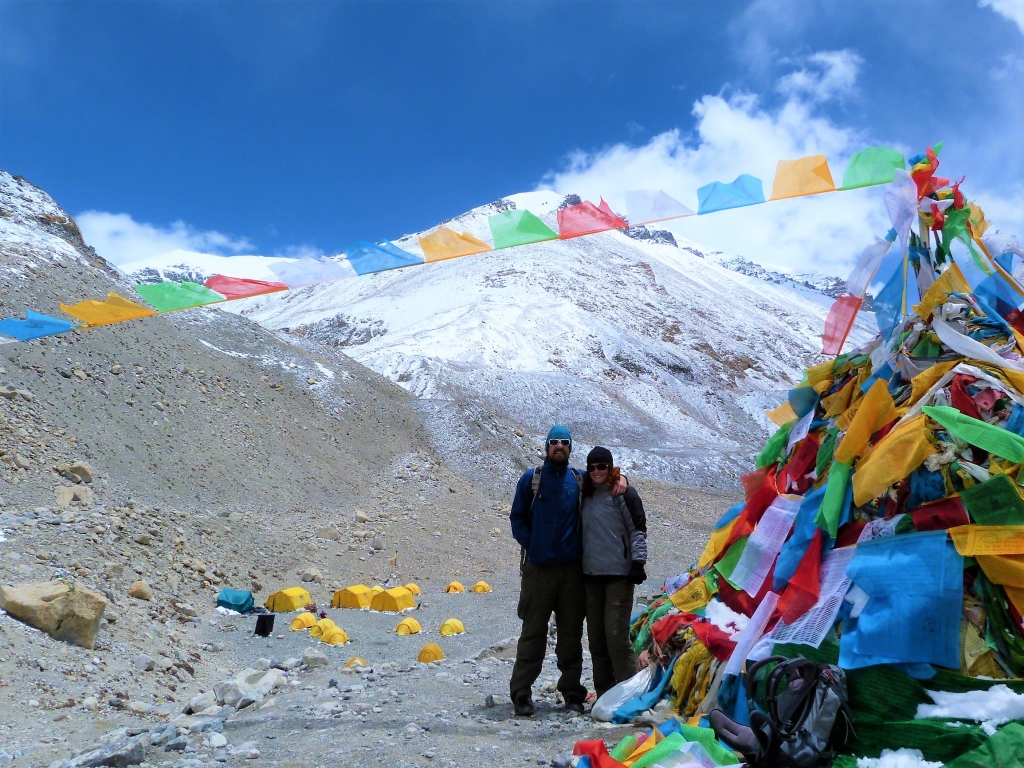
(558, 432)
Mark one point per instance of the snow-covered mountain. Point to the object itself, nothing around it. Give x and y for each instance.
(636, 340)
(181, 265)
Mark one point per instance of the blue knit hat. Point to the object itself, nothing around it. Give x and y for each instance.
(559, 432)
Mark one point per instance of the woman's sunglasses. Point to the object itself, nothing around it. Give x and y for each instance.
(599, 467)
(555, 441)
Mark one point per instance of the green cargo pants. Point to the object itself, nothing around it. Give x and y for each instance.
(547, 589)
(609, 606)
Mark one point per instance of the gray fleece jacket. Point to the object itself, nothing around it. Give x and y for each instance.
(614, 532)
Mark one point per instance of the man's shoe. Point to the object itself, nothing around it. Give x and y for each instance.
(574, 706)
(525, 707)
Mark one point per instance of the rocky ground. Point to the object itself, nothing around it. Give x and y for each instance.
(156, 461)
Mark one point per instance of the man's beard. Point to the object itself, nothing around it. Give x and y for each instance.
(558, 458)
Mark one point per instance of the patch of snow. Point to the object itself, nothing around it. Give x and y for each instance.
(901, 758)
(197, 267)
(725, 618)
(223, 351)
(992, 708)
(325, 370)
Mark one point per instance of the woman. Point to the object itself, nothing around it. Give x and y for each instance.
(614, 555)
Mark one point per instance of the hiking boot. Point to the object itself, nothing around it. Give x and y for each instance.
(574, 706)
(525, 707)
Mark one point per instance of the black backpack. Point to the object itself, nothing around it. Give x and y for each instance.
(802, 721)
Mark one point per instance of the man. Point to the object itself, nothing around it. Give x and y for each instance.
(546, 523)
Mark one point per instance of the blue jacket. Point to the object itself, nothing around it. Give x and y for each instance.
(550, 534)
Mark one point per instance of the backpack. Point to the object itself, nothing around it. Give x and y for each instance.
(803, 720)
(535, 488)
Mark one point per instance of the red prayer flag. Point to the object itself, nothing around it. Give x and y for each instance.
(598, 754)
(940, 515)
(839, 323)
(586, 219)
(804, 586)
(241, 287)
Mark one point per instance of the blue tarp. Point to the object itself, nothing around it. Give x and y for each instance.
(914, 583)
(366, 258)
(34, 326)
(235, 599)
(719, 196)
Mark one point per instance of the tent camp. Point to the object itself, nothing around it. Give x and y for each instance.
(239, 600)
(414, 588)
(452, 627)
(303, 621)
(481, 587)
(291, 599)
(430, 652)
(392, 600)
(322, 626)
(408, 627)
(356, 596)
(334, 636)
(455, 587)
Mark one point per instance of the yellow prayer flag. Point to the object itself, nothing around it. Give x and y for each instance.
(782, 415)
(876, 410)
(901, 452)
(693, 596)
(715, 545)
(807, 176)
(838, 402)
(113, 309)
(951, 281)
(927, 379)
(973, 540)
(446, 243)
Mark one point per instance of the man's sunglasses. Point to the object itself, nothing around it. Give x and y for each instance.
(599, 467)
(555, 441)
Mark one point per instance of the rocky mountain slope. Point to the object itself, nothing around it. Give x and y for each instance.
(636, 340)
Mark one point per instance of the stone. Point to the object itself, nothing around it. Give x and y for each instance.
(362, 517)
(185, 609)
(83, 495)
(313, 658)
(113, 570)
(218, 740)
(116, 754)
(64, 495)
(331, 534)
(311, 574)
(201, 701)
(140, 590)
(144, 663)
(177, 744)
(378, 543)
(272, 679)
(51, 606)
(82, 471)
(249, 699)
(21, 462)
(229, 692)
(160, 738)
(144, 539)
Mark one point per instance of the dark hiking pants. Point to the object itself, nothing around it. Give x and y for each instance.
(609, 605)
(547, 589)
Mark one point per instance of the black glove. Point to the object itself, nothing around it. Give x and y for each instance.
(637, 574)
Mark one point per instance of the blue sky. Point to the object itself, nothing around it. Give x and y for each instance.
(287, 127)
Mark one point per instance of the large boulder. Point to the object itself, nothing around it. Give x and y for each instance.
(71, 615)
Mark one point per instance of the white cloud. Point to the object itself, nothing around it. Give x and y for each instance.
(120, 239)
(737, 135)
(1011, 9)
(826, 75)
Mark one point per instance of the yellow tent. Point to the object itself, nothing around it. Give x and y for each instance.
(408, 627)
(113, 309)
(376, 590)
(303, 621)
(455, 587)
(291, 599)
(448, 244)
(321, 627)
(452, 627)
(356, 596)
(481, 586)
(414, 588)
(356, 661)
(430, 652)
(336, 636)
(392, 600)
(807, 176)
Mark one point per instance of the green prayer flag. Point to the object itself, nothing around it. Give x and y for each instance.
(874, 165)
(671, 743)
(825, 451)
(835, 492)
(988, 437)
(994, 502)
(707, 739)
(168, 296)
(775, 446)
(727, 564)
(1003, 749)
(511, 228)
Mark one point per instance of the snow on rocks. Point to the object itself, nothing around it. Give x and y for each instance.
(901, 758)
(991, 708)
